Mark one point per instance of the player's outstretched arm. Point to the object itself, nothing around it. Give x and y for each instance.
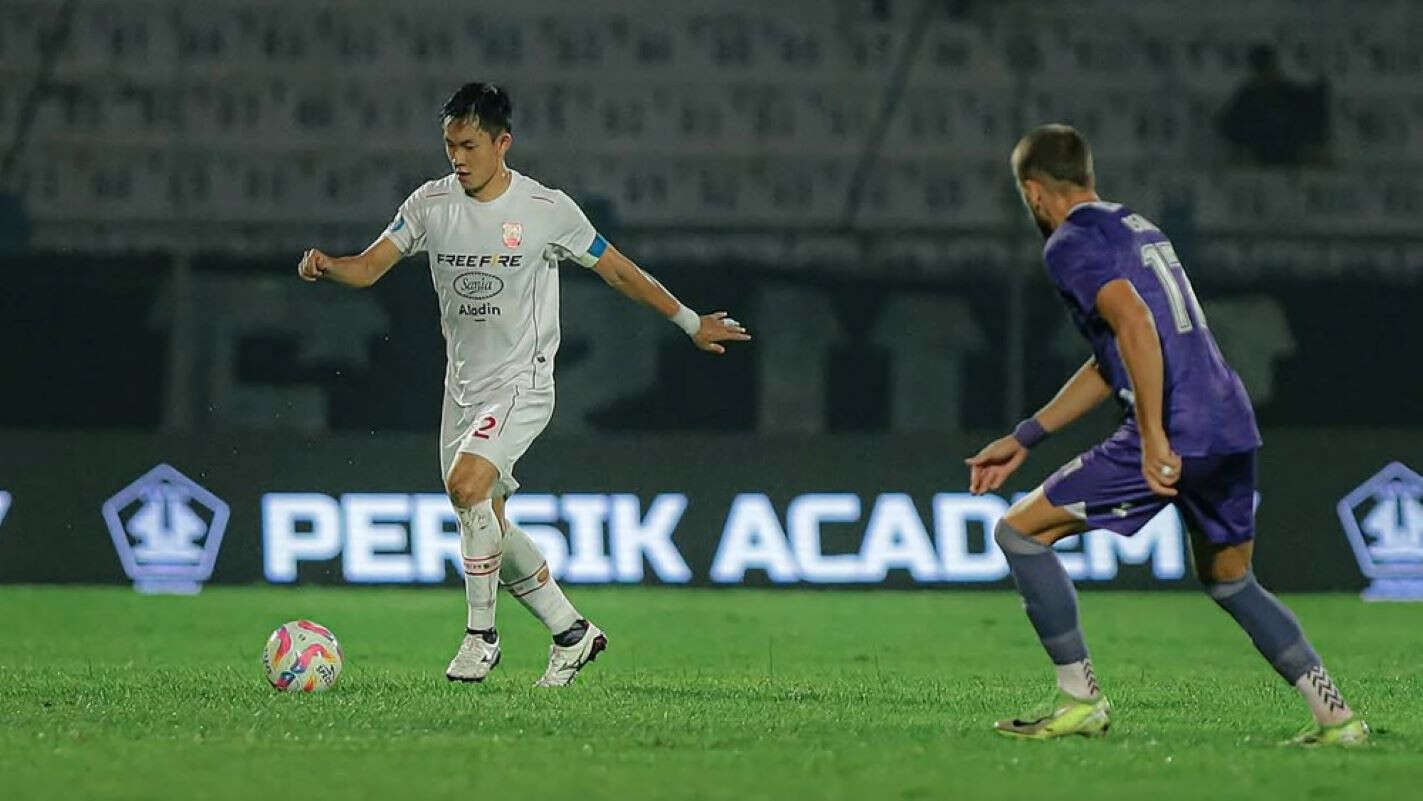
(708, 331)
(353, 271)
(1137, 341)
(1082, 393)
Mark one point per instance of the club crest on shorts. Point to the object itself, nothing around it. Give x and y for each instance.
(167, 531)
(1383, 519)
(513, 234)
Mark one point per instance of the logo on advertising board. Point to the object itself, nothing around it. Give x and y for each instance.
(167, 530)
(1383, 519)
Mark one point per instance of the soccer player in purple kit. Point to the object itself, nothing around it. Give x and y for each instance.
(1188, 438)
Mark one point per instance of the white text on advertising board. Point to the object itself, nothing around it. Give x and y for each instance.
(597, 538)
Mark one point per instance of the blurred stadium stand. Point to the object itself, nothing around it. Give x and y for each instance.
(846, 160)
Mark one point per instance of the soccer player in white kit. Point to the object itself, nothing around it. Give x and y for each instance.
(494, 239)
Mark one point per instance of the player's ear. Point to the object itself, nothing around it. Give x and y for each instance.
(503, 142)
(1032, 192)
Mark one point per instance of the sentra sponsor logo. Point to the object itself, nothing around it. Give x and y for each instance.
(477, 285)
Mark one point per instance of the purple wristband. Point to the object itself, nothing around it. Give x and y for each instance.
(1029, 432)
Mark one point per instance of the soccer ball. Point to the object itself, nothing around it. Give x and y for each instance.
(302, 657)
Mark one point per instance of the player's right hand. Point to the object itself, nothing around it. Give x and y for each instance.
(313, 265)
(1160, 465)
(717, 328)
(991, 467)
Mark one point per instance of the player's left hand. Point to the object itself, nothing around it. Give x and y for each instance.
(718, 327)
(992, 465)
(1160, 466)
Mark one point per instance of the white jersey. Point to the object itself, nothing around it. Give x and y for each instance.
(495, 269)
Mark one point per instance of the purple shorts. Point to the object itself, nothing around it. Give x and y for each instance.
(1104, 486)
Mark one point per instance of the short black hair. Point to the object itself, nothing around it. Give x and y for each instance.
(1057, 152)
(484, 104)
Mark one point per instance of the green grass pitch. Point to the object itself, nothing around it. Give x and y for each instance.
(702, 694)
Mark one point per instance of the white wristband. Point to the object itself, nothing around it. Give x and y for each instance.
(689, 321)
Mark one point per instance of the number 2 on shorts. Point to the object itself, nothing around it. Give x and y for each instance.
(486, 424)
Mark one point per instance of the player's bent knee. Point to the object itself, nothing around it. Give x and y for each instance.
(1017, 518)
(1034, 516)
(1018, 510)
(469, 482)
(1220, 579)
(1218, 565)
(463, 495)
(1010, 540)
(467, 491)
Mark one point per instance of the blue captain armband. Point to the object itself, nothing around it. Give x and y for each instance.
(594, 252)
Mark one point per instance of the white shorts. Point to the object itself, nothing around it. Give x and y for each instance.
(500, 428)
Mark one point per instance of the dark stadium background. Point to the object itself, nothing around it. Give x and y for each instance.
(832, 173)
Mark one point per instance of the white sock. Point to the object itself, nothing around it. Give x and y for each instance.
(525, 575)
(479, 545)
(1325, 700)
(1077, 680)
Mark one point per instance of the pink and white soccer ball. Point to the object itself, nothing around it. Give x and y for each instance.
(302, 657)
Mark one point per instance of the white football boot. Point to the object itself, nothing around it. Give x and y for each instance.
(564, 663)
(474, 660)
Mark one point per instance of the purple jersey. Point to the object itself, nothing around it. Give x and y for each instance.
(1205, 405)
